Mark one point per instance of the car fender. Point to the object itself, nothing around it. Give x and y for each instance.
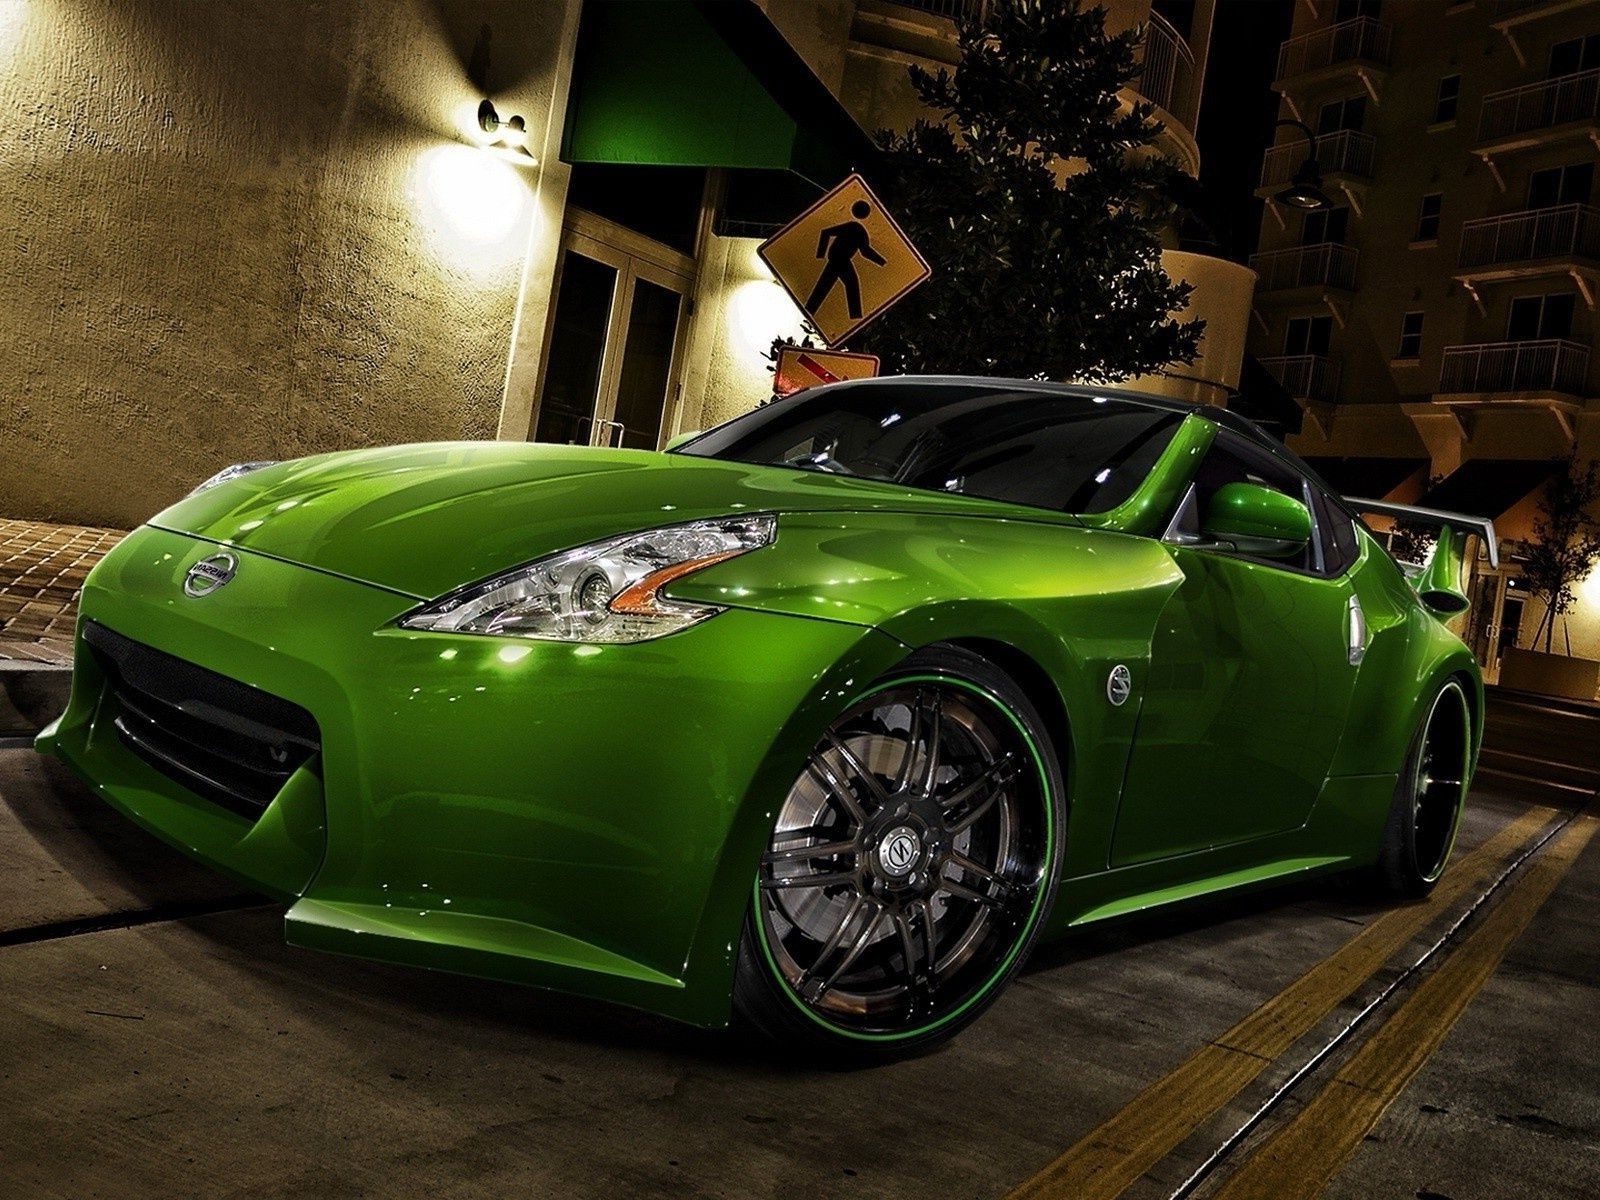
(1077, 603)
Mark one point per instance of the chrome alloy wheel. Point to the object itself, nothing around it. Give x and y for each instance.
(1439, 781)
(907, 862)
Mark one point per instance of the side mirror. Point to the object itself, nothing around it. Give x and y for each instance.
(674, 442)
(1257, 520)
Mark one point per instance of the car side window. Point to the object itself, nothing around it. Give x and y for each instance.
(1232, 459)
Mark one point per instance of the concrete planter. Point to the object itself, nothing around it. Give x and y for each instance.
(1550, 674)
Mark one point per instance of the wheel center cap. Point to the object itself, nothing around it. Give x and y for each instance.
(900, 851)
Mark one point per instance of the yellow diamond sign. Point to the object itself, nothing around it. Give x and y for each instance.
(845, 260)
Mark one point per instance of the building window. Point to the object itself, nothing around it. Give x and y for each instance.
(1307, 335)
(1340, 115)
(1538, 318)
(1325, 225)
(1349, 10)
(1444, 106)
(1428, 217)
(1571, 184)
(1410, 336)
(1572, 57)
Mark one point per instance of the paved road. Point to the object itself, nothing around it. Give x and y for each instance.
(195, 1055)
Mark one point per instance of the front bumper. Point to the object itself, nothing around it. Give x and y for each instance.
(579, 817)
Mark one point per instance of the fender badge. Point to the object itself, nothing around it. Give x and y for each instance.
(1119, 685)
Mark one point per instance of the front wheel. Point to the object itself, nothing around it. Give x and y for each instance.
(1428, 799)
(909, 866)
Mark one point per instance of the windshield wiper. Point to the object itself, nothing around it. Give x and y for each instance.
(820, 461)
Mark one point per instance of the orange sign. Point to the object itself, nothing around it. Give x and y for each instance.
(800, 369)
(845, 260)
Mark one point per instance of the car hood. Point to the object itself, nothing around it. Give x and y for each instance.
(426, 519)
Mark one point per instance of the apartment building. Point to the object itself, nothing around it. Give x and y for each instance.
(1437, 323)
(224, 261)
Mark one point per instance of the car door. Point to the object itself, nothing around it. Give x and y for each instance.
(1250, 679)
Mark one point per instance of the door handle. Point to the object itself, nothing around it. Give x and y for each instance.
(1356, 632)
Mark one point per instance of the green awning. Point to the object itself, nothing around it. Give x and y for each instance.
(680, 83)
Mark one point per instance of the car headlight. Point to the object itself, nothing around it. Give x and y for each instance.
(227, 473)
(606, 591)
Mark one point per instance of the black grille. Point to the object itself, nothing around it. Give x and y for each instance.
(224, 740)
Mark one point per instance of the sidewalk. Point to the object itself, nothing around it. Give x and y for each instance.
(42, 566)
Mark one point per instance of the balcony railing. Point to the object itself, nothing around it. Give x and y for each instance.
(1168, 76)
(1540, 105)
(1327, 264)
(1305, 376)
(1569, 231)
(1551, 364)
(958, 11)
(1346, 152)
(1348, 41)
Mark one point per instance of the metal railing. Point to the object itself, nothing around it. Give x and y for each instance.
(1305, 376)
(958, 11)
(1168, 75)
(1347, 151)
(1361, 38)
(1567, 231)
(1549, 364)
(1540, 105)
(1327, 264)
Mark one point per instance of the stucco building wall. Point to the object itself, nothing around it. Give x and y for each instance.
(238, 230)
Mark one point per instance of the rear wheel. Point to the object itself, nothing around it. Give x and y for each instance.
(1429, 797)
(909, 866)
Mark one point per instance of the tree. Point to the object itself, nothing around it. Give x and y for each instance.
(1565, 545)
(1040, 202)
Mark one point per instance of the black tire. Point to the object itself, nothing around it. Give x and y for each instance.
(1428, 798)
(958, 849)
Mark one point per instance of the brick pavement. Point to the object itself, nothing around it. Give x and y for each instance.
(42, 566)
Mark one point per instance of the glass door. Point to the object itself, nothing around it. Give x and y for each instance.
(610, 365)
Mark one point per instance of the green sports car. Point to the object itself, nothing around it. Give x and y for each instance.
(819, 720)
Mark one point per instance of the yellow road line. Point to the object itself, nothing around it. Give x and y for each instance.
(1109, 1158)
(1304, 1155)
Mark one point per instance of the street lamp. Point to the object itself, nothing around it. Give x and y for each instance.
(1305, 190)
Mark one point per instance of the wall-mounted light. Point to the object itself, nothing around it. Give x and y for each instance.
(508, 136)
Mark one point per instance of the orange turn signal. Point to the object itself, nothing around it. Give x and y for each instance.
(640, 599)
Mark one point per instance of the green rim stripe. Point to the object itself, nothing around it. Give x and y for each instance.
(1027, 928)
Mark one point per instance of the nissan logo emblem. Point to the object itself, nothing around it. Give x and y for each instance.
(207, 575)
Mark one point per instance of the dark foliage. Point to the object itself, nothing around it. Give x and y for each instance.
(1041, 203)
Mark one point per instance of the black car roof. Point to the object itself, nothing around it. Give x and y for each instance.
(1221, 416)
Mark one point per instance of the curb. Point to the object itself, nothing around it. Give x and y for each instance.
(31, 696)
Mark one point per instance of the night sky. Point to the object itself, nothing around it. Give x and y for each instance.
(1237, 111)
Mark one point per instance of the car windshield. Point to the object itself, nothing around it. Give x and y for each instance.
(1061, 451)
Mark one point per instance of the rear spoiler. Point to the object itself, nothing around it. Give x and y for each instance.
(1459, 522)
(1438, 584)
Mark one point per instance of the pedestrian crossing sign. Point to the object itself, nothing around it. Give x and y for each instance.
(799, 368)
(845, 260)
